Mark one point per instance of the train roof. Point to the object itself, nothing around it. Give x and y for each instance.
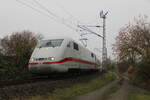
(57, 37)
(62, 37)
(67, 38)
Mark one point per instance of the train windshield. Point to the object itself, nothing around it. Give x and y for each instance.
(50, 43)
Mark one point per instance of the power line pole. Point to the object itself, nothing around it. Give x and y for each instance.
(87, 29)
(104, 49)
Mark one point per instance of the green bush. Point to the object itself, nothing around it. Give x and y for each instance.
(143, 70)
(142, 74)
(9, 71)
(15, 52)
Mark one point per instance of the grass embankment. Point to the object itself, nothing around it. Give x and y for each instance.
(76, 89)
(139, 96)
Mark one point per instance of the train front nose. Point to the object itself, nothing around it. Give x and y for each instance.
(40, 68)
(39, 65)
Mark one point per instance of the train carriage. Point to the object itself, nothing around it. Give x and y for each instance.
(61, 55)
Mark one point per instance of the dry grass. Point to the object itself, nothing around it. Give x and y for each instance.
(77, 89)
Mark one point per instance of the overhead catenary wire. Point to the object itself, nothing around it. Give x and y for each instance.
(62, 20)
(83, 27)
(35, 4)
(59, 20)
(35, 9)
(79, 25)
(44, 8)
(68, 13)
(84, 42)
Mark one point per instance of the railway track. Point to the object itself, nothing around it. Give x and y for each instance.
(32, 80)
(35, 79)
(18, 82)
(37, 86)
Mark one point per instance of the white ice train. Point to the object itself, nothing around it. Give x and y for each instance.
(61, 55)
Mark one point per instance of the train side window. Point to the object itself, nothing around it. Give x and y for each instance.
(75, 46)
(68, 45)
(92, 55)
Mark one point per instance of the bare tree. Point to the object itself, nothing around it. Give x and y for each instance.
(19, 46)
(133, 41)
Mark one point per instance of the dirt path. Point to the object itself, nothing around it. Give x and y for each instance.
(121, 93)
(96, 94)
(116, 90)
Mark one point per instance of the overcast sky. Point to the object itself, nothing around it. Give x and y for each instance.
(17, 17)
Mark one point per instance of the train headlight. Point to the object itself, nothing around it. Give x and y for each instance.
(32, 59)
(51, 58)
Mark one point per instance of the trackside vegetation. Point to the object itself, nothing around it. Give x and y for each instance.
(132, 48)
(15, 52)
(139, 96)
(76, 89)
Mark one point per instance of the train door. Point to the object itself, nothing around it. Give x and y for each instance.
(95, 61)
(76, 53)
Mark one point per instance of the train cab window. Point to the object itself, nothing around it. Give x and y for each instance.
(75, 46)
(50, 43)
(92, 55)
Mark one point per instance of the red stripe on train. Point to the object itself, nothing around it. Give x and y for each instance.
(63, 61)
